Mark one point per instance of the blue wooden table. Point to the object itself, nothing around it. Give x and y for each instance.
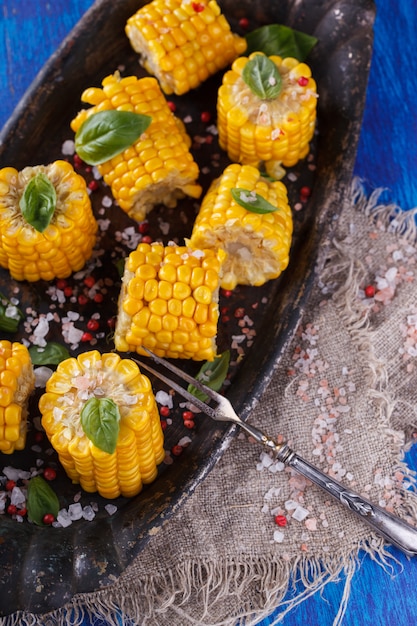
(30, 31)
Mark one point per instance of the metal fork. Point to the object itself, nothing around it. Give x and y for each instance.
(395, 530)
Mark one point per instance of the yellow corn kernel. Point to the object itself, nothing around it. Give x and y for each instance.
(181, 308)
(274, 131)
(158, 168)
(257, 245)
(140, 433)
(175, 40)
(66, 243)
(17, 381)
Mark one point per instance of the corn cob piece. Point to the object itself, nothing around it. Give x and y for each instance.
(139, 447)
(65, 244)
(257, 245)
(274, 131)
(169, 302)
(158, 168)
(17, 382)
(182, 43)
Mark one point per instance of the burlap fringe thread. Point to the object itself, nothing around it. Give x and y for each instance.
(205, 585)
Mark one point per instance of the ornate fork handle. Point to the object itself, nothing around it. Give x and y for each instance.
(395, 530)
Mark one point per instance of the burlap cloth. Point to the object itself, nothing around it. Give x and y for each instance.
(344, 395)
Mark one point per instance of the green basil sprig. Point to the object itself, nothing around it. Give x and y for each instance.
(252, 201)
(213, 374)
(106, 134)
(52, 354)
(262, 77)
(41, 500)
(10, 315)
(38, 202)
(100, 420)
(283, 41)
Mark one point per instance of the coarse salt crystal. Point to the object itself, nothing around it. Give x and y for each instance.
(17, 497)
(111, 509)
(63, 518)
(88, 513)
(164, 398)
(68, 147)
(12, 473)
(75, 511)
(42, 375)
(300, 513)
(278, 536)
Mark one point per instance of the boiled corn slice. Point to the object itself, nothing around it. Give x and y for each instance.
(257, 245)
(254, 130)
(182, 43)
(158, 168)
(169, 302)
(17, 382)
(67, 242)
(139, 447)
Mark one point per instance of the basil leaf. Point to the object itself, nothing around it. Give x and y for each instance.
(52, 354)
(41, 499)
(38, 202)
(105, 134)
(213, 374)
(100, 420)
(262, 77)
(10, 315)
(252, 201)
(283, 41)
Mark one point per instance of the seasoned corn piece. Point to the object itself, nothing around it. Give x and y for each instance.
(255, 130)
(169, 302)
(17, 381)
(139, 449)
(67, 242)
(158, 168)
(257, 245)
(182, 43)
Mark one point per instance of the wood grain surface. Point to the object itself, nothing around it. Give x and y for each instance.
(30, 32)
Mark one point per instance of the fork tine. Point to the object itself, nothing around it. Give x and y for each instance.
(189, 379)
(208, 410)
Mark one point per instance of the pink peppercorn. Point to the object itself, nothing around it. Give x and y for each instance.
(205, 117)
(177, 450)
(280, 520)
(93, 325)
(302, 81)
(82, 299)
(86, 337)
(49, 473)
(89, 281)
(244, 22)
(48, 519)
(146, 239)
(98, 297)
(93, 185)
(164, 411)
(370, 291)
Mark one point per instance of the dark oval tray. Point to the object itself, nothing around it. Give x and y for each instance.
(42, 568)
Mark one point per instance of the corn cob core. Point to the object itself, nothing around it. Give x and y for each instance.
(65, 245)
(169, 302)
(17, 382)
(257, 245)
(140, 442)
(254, 130)
(158, 168)
(182, 43)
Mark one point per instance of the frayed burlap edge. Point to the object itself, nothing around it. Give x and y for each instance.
(205, 584)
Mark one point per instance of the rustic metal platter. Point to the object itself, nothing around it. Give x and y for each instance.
(41, 568)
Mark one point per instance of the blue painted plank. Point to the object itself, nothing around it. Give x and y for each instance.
(30, 32)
